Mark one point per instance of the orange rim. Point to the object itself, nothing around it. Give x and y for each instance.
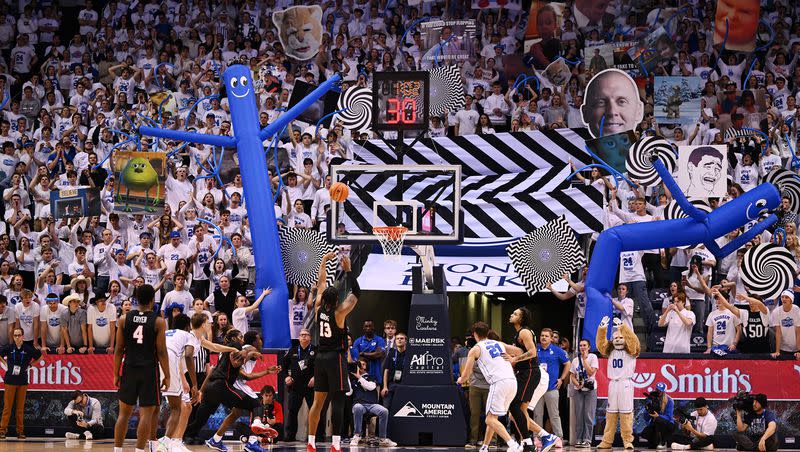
(391, 232)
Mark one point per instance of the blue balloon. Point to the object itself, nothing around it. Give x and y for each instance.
(248, 139)
(698, 228)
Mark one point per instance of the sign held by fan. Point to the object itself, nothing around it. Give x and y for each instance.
(702, 170)
(544, 255)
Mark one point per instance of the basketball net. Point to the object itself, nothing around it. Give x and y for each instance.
(391, 240)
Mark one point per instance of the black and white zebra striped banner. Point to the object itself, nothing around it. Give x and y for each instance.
(512, 182)
(504, 206)
(502, 153)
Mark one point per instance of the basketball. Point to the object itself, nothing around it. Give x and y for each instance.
(339, 192)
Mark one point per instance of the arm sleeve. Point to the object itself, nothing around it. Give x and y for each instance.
(69, 408)
(667, 414)
(97, 413)
(367, 384)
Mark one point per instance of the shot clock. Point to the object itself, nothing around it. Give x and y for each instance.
(400, 100)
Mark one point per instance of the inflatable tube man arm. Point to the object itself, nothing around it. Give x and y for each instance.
(741, 240)
(180, 135)
(702, 217)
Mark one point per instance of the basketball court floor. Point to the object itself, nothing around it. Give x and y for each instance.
(107, 445)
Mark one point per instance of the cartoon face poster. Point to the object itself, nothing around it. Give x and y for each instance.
(702, 171)
(140, 182)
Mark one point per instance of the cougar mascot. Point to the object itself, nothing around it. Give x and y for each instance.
(621, 353)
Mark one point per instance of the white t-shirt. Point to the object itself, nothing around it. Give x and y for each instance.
(724, 324)
(788, 322)
(627, 314)
(591, 361)
(101, 324)
(297, 312)
(183, 297)
(53, 320)
(705, 424)
(467, 120)
(678, 335)
(241, 320)
(631, 269)
(26, 318)
(172, 254)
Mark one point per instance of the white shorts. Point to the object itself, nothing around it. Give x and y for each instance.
(175, 387)
(541, 388)
(620, 396)
(501, 394)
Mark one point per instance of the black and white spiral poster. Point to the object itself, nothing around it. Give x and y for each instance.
(767, 270)
(358, 102)
(302, 251)
(544, 255)
(446, 90)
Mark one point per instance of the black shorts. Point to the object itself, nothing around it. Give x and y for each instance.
(527, 381)
(219, 392)
(330, 371)
(140, 384)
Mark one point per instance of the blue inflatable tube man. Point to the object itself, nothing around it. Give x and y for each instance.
(248, 139)
(700, 227)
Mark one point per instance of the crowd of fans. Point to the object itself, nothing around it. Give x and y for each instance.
(72, 76)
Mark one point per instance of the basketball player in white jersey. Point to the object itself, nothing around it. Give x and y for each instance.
(491, 359)
(201, 329)
(180, 348)
(621, 353)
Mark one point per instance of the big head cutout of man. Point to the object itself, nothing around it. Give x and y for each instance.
(614, 95)
(742, 24)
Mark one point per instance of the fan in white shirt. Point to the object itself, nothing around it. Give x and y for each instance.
(679, 322)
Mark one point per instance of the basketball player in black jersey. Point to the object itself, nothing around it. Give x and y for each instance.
(142, 343)
(218, 389)
(526, 369)
(330, 365)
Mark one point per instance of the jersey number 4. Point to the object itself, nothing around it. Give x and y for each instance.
(138, 334)
(325, 329)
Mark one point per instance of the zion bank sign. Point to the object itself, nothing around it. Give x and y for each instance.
(463, 274)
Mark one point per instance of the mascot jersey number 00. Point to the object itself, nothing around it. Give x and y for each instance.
(621, 352)
(248, 139)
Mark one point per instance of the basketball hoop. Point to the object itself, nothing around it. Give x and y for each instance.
(391, 240)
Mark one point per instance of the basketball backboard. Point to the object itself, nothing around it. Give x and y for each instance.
(426, 199)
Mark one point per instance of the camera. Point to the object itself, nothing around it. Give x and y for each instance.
(583, 378)
(742, 401)
(652, 401)
(682, 415)
(352, 367)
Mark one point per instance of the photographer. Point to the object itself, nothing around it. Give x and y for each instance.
(756, 429)
(583, 370)
(365, 400)
(85, 416)
(701, 434)
(661, 427)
